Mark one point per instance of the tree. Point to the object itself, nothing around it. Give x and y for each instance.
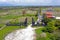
(46, 20)
(24, 12)
(50, 27)
(57, 24)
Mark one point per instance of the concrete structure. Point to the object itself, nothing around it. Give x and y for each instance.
(57, 17)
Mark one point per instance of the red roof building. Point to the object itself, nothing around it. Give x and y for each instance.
(49, 14)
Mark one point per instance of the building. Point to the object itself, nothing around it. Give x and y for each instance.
(58, 18)
(48, 12)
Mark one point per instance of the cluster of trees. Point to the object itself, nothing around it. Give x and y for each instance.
(57, 24)
(52, 28)
(51, 24)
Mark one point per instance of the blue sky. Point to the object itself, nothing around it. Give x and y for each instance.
(29, 2)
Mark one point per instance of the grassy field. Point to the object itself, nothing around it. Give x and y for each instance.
(7, 30)
(15, 16)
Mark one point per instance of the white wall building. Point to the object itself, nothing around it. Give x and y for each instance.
(57, 17)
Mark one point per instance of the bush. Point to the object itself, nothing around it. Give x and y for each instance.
(50, 27)
(46, 20)
(15, 21)
(57, 24)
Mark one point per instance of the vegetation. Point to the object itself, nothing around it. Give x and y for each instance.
(49, 32)
(7, 30)
(57, 24)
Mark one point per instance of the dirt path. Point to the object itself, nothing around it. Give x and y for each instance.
(22, 34)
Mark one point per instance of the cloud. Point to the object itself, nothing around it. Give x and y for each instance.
(27, 1)
(3, 0)
(31, 2)
(56, 2)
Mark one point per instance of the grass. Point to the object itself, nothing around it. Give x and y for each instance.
(2, 11)
(39, 31)
(7, 30)
(49, 36)
(1, 25)
(13, 16)
(10, 16)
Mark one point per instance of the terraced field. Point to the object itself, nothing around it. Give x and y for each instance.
(13, 16)
(16, 16)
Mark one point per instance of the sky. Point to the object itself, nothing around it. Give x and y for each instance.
(29, 2)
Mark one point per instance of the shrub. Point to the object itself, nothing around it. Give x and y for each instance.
(50, 27)
(57, 24)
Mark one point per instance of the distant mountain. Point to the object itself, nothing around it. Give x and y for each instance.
(6, 4)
